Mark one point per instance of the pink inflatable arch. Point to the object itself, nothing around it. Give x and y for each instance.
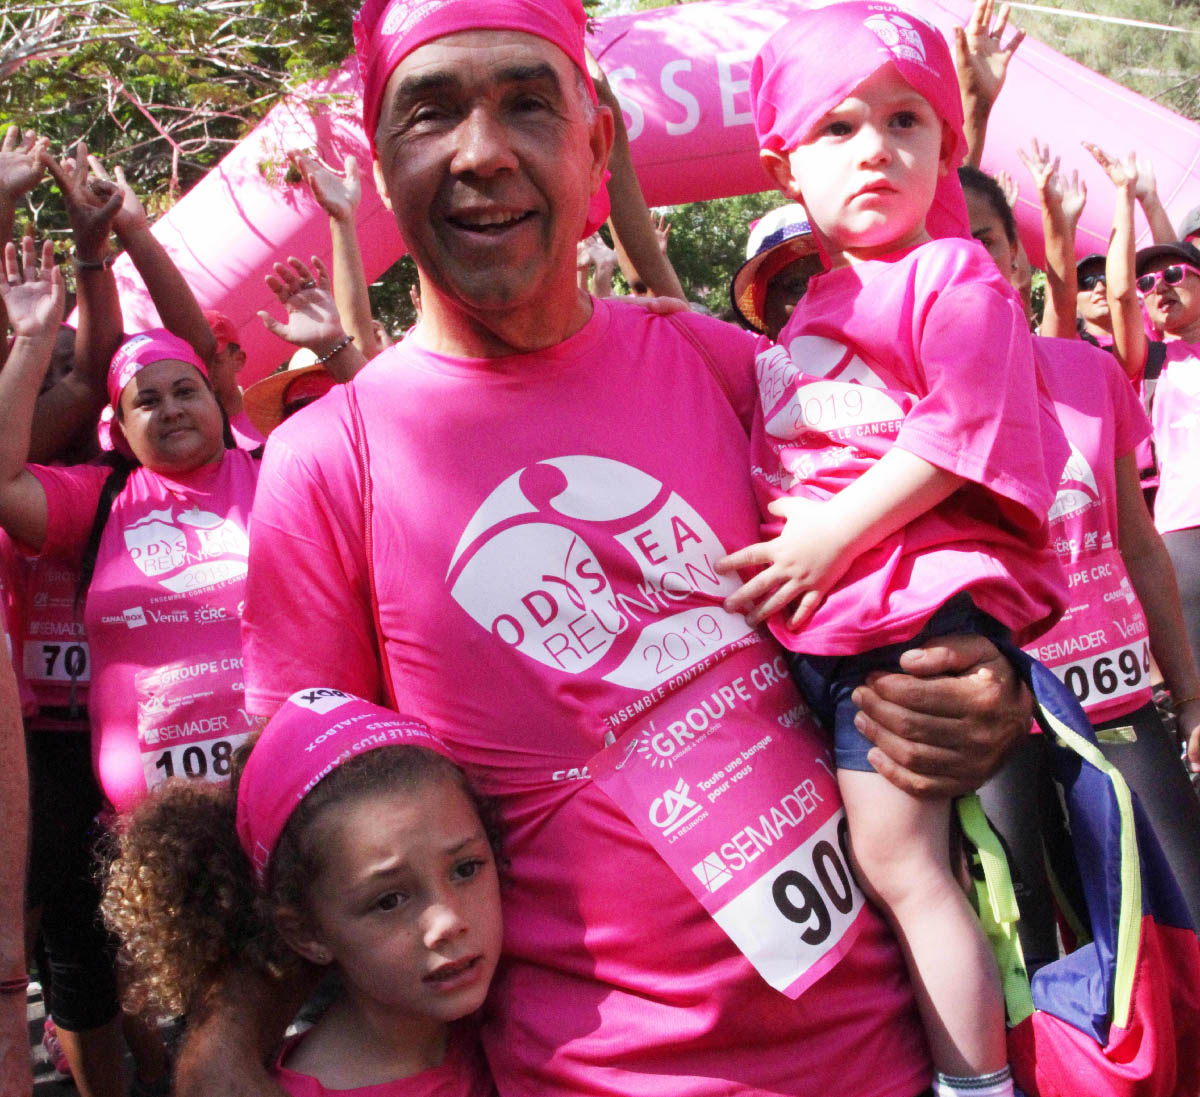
(681, 75)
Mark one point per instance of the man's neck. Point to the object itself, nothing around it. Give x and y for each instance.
(448, 329)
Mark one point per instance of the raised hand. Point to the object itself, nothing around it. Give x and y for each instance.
(338, 195)
(21, 166)
(981, 60)
(1146, 185)
(32, 294)
(131, 215)
(312, 317)
(91, 203)
(662, 230)
(1121, 173)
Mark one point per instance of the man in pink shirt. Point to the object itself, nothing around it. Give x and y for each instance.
(508, 523)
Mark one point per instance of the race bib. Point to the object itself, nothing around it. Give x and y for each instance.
(730, 781)
(57, 661)
(191, 718)
(1109, 676)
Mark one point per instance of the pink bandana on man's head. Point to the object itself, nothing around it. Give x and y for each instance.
(144, 349)
(313, 732)
(793, 85)
(386, 31)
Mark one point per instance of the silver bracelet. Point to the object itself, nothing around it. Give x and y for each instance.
(338, 347)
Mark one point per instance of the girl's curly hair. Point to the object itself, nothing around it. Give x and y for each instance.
(179, 891)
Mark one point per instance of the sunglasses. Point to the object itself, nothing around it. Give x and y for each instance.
(1091, 281)
(1172, 275)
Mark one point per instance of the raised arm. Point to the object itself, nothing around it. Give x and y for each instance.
(982, 64)
(633, 230)
(1130, 344)
(177, 306)
(16, 1079)
(21, 169)
(1062, 200)
(1146, 190)
(339, 196)
(313, 320)
(34, 298)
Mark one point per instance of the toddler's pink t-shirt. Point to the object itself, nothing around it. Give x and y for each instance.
(1100, 648)
(162, 617)
(1176, 417)
(543, 534)
(927, 350)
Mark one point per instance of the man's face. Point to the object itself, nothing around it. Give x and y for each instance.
(489, 151)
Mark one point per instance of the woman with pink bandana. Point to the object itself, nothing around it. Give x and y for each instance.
(904, 455)
(161, 538)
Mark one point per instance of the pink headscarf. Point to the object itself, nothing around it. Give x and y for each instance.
(313, 732)
(386, 31)
(814, 61)
(142, 350)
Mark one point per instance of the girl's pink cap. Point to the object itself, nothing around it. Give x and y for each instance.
(386, 31)
(313, 732)
(817, 59)
(142, 350)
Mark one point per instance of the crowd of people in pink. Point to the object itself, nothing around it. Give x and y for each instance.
(584, 696)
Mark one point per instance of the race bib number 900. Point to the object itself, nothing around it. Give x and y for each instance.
(729, 781)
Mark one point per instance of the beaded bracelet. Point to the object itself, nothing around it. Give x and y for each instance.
(93, 264)
(338, 347)
(14, 986)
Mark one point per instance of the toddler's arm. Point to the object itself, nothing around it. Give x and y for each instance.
(820, 541)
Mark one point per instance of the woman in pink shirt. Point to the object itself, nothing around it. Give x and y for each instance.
(162, 538)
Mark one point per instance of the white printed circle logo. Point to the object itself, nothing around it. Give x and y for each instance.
(586, 564)
(673, 808)
(898, 34)
(195, 550)
(1077, 489)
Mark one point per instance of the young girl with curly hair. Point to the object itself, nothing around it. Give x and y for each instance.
(349, 839)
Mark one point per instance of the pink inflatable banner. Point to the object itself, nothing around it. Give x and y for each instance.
(681, 75)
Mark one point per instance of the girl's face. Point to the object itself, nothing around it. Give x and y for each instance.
(171, 418)
(407, 902)
(867, 171)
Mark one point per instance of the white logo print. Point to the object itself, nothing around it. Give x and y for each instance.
(898, 34)
(711, 872)
(135, 617)
(673, 808)
(533, 568)
(1077, 489)
(203, 549)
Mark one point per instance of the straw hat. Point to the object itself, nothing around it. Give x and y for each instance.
(265, 401)
(776, 240)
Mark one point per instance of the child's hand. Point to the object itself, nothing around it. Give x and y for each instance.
(799, 567)
(33, 297)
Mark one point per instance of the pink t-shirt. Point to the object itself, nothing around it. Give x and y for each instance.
(245, 433)
(1101, 647)
(463, 1073)
(14, 604)
(162, 617)
(55, 652)
(544, 532)
(1176, 417)
(929, 351)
